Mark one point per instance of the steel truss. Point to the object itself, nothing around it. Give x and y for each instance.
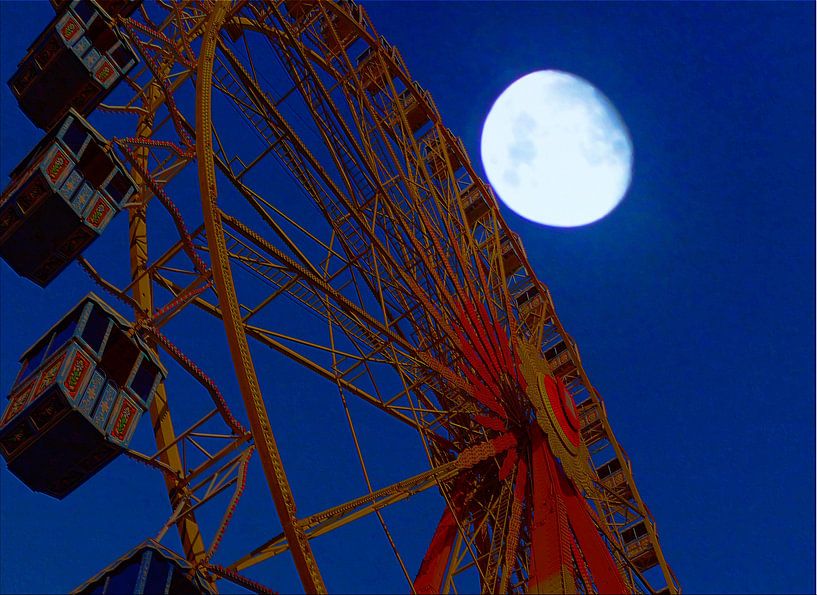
(432, 312)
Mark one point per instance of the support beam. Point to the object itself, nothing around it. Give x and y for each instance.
(432, 569)
(188, 528)
(551, 567)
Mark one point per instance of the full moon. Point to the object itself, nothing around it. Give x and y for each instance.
(556, 150)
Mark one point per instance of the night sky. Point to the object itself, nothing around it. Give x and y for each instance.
(692, 303)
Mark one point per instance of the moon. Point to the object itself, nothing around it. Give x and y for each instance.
(556, 151)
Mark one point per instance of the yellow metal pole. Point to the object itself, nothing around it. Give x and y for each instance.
(143, 294)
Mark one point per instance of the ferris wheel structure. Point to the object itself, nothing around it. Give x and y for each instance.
(422, 305)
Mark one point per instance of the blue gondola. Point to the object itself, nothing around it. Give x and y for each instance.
(149, 568)
(61, 198)
(114, 8)
(77, 399)
(74, 63)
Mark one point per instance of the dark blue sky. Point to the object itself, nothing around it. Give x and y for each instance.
(692, 303)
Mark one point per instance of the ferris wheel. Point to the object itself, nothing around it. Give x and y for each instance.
(400, 287)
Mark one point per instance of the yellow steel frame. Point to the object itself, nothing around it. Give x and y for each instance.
(400, 233)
